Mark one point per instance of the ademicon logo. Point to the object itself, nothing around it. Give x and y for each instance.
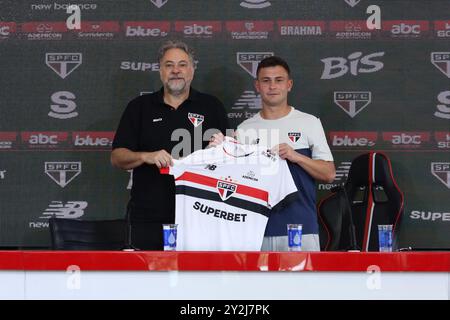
(62, 172)
(355, 63)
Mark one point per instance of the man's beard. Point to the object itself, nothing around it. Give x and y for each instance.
(176, 87)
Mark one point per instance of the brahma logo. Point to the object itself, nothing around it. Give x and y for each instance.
(406, 139)
(196, 119)
(429, 215)
(47, 140)
(159, 3)
(335, 67)
(144, 29)
(63, 63)
(255, 4)
(353, 138)
(294, 136)
(226, 189)
(300, 28)
(441, 170)
(352, 102)
(62, 172)
(101, 139)
(443, 109)
(442, 139)
(441, 60)
(442, 29)
(249, 60)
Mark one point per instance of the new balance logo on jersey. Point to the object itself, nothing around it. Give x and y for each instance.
(441, 60)
(294, 136)
(441, 170)
(352, 102)
(196, 119)
(63, 63)
(69, 210)
(255, 4)
(225, 189)
(159, 3)
(211, 167)
(62, 172)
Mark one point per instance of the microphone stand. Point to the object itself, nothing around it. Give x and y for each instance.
(129, 246)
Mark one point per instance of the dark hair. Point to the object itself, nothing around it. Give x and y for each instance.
(175, 44)
(273, 61)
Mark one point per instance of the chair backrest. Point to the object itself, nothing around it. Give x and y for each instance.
(70, 234)
(374, 198)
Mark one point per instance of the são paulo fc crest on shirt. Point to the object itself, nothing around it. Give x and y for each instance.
(294, 136)
(226, 189)
(196, 119)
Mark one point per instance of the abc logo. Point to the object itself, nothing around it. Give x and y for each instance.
(198, 30)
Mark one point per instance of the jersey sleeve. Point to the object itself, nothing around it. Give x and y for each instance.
(283, 189)
(318, 143)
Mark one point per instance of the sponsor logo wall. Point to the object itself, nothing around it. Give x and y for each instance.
(64, 90)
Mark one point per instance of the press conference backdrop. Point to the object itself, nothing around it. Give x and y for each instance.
(63, 92)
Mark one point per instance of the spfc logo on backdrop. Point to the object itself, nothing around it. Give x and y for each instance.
(441, 170)
(294, 136)
(226, 189)
(62, 172)
(352, 102)
(159, 3)
(352, 3)
(441, 60)
(196, 119)
(63, 63)
(255, 4)
(249, 60)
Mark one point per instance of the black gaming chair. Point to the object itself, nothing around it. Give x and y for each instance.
(70, 234)
(374, 198)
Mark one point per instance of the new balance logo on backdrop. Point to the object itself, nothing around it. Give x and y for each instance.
(356, 63)
(159, 3)
(64, 106)
(249, 60)
(249, 99)
(68, 210)
(63, 63)
(443, 109)
(441, 170)
(255, 4)
(441, 60)
(341, 176)
(352, 102)
(62, 172)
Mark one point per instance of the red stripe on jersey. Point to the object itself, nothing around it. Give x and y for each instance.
(212, 182)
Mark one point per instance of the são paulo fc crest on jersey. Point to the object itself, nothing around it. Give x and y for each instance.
(226, 189)
(294, 136)
(196, 119)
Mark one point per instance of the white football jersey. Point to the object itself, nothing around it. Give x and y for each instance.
(224, 195)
